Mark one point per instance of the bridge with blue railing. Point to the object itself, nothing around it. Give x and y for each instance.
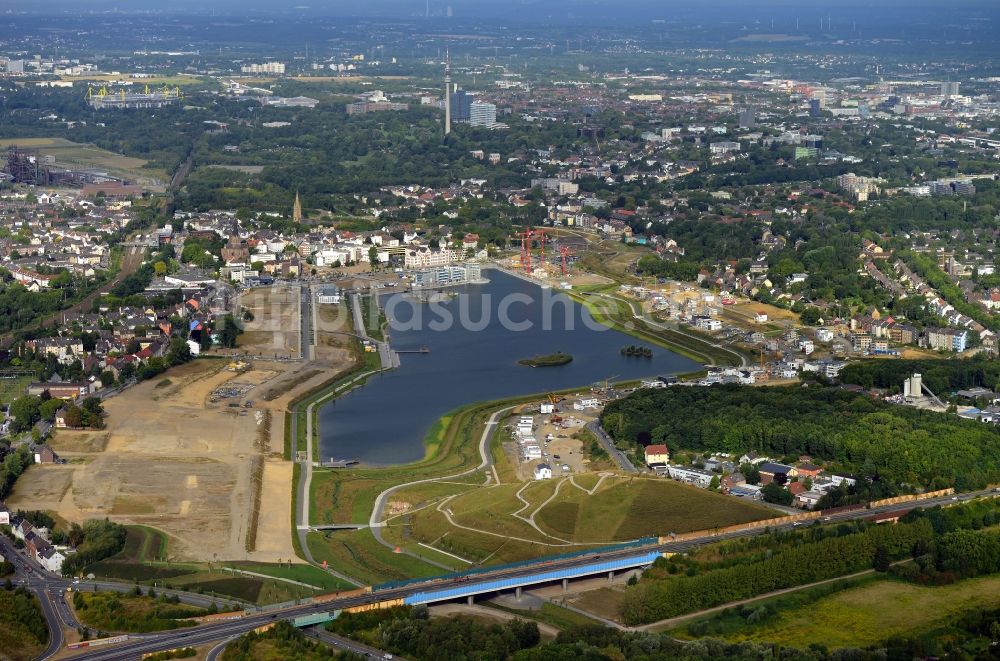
(467, 587)
(472, 573)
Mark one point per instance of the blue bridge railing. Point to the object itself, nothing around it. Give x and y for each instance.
(644, 541)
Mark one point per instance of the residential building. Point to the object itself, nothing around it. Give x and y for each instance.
(424, 257)
(265, 68)
(774, 470)
(947, 339)
(43, 454)
(859, 187)
(482, 114)
(657, 454)
(543, 472)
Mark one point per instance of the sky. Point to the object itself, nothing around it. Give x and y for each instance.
(892, 14)
(488, 7)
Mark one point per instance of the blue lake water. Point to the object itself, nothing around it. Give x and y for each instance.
(385, 421)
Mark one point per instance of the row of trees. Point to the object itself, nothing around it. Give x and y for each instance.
(29, 409)
(101, 539)
(14, 463)
(658, 599)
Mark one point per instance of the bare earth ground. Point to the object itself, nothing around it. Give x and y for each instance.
(171, 459)
(274, 331)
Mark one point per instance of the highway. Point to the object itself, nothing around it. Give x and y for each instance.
(50, 590)
(218, 631)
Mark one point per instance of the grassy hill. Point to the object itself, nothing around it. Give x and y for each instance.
(493, 525)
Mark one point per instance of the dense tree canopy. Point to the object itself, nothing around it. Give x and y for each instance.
(889, 447)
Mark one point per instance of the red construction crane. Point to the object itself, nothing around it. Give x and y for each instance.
(564, 252)
(526, 250)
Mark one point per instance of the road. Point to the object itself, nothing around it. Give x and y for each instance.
(342, 644)
(50, 590)
(213, 632)
(375, 521)
(609, 447)
(388, 358)
(307, 322)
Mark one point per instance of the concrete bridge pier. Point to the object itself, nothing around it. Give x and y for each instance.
(517, 592)
(472, 599)
(565, 583)
(611, 576)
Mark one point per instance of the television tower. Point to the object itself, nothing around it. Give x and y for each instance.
(447, 93)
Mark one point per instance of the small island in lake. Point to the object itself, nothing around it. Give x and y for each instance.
(552, 360)
(638, 351)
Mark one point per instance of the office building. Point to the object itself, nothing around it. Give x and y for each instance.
(747, 119)
(482, 114)
(461, 106)
(815, 109)
(949, 89)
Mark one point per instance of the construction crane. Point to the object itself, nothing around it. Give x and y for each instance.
(605, 386)
(564, 252)
(526, 249)
(554, 399)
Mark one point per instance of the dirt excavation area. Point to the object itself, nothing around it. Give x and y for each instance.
(196, 452)
(273, 329)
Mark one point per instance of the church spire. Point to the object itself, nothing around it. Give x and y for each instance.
(297, 209)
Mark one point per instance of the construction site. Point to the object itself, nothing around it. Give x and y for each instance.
(551, 258)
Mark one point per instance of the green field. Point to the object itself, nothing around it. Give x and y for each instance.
(362, 557)
(551, 614)
(486, 530)
(303, 573)
(13, 387)
(871, 612)
(137, 562)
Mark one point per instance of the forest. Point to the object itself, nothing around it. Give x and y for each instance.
(893, 448)
(941, 376)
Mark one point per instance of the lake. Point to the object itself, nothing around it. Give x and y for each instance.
(385, 421)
